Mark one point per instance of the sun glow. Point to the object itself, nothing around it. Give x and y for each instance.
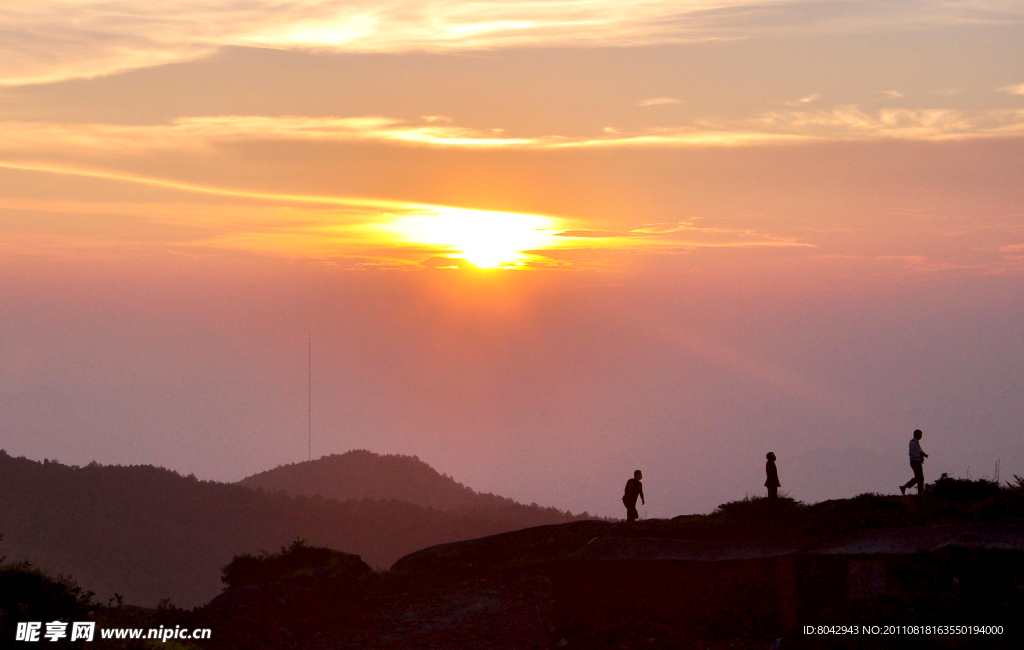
(483, 238)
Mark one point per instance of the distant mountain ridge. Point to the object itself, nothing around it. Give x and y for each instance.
(362, 474)
(147, 532)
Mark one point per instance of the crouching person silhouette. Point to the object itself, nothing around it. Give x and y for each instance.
(634, 489)
(772, 483)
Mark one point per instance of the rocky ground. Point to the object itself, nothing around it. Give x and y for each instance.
(490, 593)
(496, 592)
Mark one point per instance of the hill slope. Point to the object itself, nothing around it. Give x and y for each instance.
(362, 474)
(146, 532)
(498, 592)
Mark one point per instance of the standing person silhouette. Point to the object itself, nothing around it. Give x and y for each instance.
(634, 489)
(917, 457)
(772, 483)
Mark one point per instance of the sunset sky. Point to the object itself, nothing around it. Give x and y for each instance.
(537, 244)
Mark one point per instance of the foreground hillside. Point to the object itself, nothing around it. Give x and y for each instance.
(497, 592)
(503, 590)
(361, 474)
(148, 533)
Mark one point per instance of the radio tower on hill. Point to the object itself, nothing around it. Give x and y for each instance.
(309, 397)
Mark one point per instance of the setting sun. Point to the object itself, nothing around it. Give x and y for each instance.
(483, 238)
(286, 268)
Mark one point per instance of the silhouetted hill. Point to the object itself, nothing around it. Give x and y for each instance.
(362, 474)
(148, 533)
(499, 592)
(158, 531)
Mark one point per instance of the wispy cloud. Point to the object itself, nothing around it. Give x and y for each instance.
(851, 122)
(201, 133)
(364, 231)
(367, 232)
(659, 101)
(211, 190)
(372, 231)
(48, 40)
(686, 235)
(1011, 258)
(204, 135)
(1017, 89)
(894, 94)
(919, 264)
(803, 101)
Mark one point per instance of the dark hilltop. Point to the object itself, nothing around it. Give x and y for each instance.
(751, 574)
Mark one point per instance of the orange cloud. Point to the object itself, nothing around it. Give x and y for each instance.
(51, 40)
(375, 231)
(659, 101)
(850, 122)
(201, 134)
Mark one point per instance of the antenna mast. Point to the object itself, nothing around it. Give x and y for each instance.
(309, 397)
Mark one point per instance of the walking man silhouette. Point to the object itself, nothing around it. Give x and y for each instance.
(917, 457)
(634, 489)
(772, 483)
